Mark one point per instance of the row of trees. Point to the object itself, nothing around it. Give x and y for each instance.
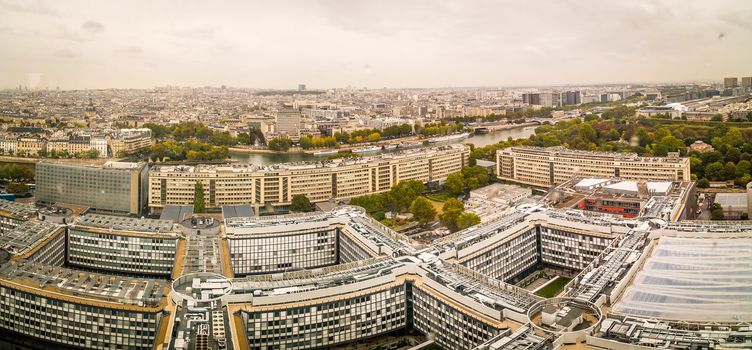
(191, 150)
(442, 128)
(192, 130)
(16, 172)
(279, 144)
(397, 200)
(308, 142)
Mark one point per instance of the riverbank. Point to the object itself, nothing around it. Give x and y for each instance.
(33, 160)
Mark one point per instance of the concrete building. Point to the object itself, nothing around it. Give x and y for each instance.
(274, 186)
(730, 83)
(747, 82)
(551, 166)
(144, 247)
(288, 123)
(115, 187)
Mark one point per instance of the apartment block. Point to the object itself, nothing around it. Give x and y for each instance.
(276, 185)
(551, 166)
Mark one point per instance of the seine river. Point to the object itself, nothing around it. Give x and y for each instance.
(477, 140)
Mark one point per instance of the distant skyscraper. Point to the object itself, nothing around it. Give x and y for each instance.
(572, 98)
(545, 99)
(747, 82)
(301, 87)
(729, 83)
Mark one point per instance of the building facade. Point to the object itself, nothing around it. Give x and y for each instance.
(114, 187)
(551, 166)
(277, 185)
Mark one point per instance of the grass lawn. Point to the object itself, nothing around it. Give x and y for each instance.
(437, 205)
(553, 288)
(440, 197)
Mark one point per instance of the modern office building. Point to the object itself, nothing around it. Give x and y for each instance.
(551, 166)
(114, 187)
(571, 98)
(262, 245)
(80, 309)
(544, 99)
(144, 247)
(288, 123)
(747, 82)
(454, 290)
(13, 214)
(274, 186)
(730, 83)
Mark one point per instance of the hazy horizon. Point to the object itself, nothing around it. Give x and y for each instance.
(328, 44)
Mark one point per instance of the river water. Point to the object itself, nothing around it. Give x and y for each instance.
(477, 140)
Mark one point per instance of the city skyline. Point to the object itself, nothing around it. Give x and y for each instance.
(418, 44)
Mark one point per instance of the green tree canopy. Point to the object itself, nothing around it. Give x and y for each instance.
(301, 203)
(422, 210)
(466, 220)
(455, 184)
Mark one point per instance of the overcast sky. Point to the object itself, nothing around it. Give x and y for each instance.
(324, 44)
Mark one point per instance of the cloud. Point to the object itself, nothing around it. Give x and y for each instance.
(65, 53)
(131, 50)
(29, 7)
(93, 27)
(197, 33)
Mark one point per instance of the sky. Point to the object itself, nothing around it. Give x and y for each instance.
(396, 44)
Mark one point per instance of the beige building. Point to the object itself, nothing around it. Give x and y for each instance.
(551, 166)
(31, 146)
(321, 181)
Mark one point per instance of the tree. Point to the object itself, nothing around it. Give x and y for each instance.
(451, 211)
(733, 137)
(715, 171)
(669, 144)
(280, 144)
(475, 176)
(17, 187)
(422, 210)
(466, 220)
(453, 204)
(716, 212)
(730, 170)
(454, 184)
(301, 203)
(743, 168)
(703, 183)
(198, 198)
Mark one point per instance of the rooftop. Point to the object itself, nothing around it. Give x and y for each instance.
(85, 284)
(17, 209)
(26, 236)
(122, 223)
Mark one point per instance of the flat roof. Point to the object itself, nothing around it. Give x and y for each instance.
(233, 211)
(176, 213)
(122, 223)
(88, 285)
(737, 200)
(17, 209)
(590, 182)
(26, 236)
